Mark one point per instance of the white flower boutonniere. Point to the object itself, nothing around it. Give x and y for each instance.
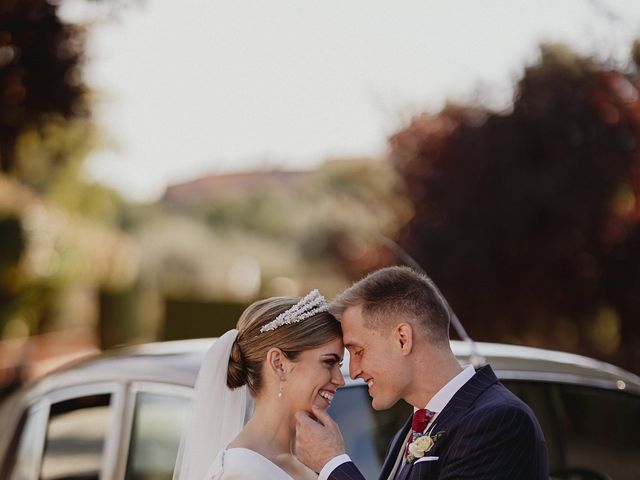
(422, 445)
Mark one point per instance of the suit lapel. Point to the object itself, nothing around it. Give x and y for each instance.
(460, 402)
(394, 449)
(404, 471)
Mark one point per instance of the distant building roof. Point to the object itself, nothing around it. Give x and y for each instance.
(209, 186)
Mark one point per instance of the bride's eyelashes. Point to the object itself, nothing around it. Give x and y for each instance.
(333, 361)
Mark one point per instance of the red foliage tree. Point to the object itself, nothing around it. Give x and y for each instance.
(530, 220)
(40, 61)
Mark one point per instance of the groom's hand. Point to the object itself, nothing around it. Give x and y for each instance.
(317, 440)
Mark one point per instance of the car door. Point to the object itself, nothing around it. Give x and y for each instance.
(68, 434)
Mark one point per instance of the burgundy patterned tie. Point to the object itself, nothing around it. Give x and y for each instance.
(421, 419)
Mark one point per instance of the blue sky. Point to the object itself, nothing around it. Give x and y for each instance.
(202, 86)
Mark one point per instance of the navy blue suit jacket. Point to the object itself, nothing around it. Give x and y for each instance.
(488, 433)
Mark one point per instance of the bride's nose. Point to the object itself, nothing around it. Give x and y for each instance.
(338, 378)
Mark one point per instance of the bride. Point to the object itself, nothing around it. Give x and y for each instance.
(286, 352)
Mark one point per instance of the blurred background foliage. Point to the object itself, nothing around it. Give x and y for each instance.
(528, 219)
(60, 240)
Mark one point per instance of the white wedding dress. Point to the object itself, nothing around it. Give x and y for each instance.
(218, 415)
(244, 464)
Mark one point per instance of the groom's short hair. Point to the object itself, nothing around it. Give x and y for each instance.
(392, 292)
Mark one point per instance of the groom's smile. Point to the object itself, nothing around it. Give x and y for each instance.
(370, 386)
(374, 358)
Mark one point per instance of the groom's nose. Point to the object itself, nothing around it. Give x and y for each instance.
(354, 368)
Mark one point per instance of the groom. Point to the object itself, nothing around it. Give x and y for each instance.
(395, 325)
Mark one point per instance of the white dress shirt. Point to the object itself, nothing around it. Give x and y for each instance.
(436, 405)
(446, 393)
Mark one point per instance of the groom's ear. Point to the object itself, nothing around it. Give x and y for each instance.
(276, 362)
(403, 334)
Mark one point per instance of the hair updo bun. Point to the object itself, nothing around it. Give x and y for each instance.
(236, 372)
(249, 351)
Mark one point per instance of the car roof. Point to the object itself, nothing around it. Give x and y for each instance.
(512, 362)
(177, 362)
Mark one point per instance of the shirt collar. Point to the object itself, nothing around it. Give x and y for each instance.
(444, 395)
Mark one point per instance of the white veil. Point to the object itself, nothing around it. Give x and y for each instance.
(217, 414)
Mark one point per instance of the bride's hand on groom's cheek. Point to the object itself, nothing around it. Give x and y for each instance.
(317, 440)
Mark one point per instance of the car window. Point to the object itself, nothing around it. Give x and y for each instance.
(590, 432)
(601, 428)
(367, 432)
(29, 445)
(539, 396)
(159, 420)
(75, 438)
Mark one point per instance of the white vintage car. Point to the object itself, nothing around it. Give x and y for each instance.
(120, 415)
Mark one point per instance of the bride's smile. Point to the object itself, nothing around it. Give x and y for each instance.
(327, 395)
(314, 377)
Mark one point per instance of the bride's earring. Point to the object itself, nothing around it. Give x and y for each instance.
(280, 388)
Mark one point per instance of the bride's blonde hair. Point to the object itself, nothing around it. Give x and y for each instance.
(251, 346)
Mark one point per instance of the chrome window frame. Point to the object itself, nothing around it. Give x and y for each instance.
(41, 409)
(116, 404)
(133, 390)
(564, 378)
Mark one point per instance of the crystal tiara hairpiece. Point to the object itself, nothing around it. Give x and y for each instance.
(307, 307)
